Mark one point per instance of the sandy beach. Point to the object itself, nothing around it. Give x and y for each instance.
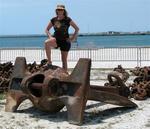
(112, 39)
(97, 115)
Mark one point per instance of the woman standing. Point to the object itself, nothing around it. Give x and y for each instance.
(60, 39)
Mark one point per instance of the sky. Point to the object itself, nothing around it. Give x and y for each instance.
(18, 17)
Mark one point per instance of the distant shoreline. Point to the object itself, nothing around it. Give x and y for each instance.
(80, 35)
(111, 34)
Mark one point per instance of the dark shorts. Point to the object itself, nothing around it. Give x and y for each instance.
(63, 45)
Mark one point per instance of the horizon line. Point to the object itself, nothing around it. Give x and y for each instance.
(83, 34)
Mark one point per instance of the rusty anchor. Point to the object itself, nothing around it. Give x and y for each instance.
(51, 90)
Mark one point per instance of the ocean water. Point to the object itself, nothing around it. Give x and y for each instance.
(82, 41)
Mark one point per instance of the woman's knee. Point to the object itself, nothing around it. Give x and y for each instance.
(50, 42)
(47, 41)
(46, 44)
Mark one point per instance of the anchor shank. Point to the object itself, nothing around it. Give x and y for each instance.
(110, 98)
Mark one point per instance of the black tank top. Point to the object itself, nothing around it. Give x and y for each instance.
(61, 28)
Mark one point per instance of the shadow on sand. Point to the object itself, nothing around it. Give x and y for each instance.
(90, 117)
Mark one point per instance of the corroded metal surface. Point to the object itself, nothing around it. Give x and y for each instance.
(140, 89)
(5, 72)
(117, 78)
(7, 68)
(53, 89)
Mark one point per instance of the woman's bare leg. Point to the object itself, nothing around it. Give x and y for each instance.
(49, 43)
(64, 55)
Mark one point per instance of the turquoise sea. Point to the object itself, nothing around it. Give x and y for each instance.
(82, 41)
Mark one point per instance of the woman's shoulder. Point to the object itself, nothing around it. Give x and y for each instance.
(68, 19)
(53, 18)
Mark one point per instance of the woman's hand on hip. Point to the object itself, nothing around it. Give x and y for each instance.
(71, 39)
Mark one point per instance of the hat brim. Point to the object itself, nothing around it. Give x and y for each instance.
(60, 8)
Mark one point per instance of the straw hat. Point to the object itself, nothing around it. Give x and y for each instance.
(60, 7)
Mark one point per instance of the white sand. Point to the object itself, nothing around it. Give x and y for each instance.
(97, 115)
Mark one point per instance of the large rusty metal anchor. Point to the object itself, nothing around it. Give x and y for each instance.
(51, 90)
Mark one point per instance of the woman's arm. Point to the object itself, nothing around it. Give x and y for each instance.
(76, 28)
(49, 26)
